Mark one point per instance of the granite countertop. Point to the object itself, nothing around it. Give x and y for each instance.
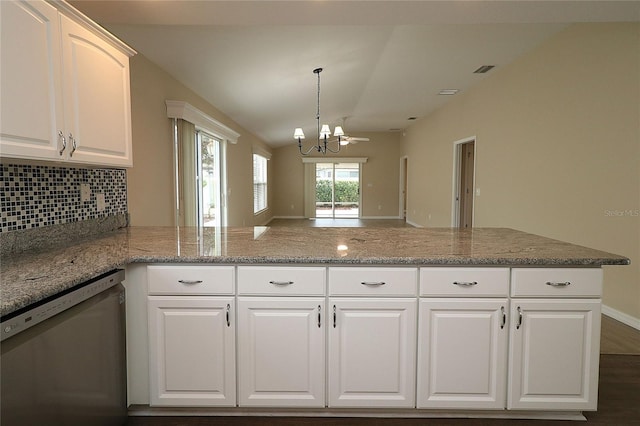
(30, 277)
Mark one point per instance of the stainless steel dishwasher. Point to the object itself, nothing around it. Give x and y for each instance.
(64, 359)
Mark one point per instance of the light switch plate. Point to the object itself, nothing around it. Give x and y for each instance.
(100, 202)
(85, 192)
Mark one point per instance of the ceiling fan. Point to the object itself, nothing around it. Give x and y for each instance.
(346, 139)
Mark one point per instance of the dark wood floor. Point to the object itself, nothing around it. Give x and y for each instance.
(619, 405)
(618, 338)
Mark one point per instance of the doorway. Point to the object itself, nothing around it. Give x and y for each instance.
(463, 183)
(404, 184)
(337, 190)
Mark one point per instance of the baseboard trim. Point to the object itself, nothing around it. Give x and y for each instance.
(380, 217)
(414, 224)
(363, 217)
(146, 411)
(287, 217)
(621, 316)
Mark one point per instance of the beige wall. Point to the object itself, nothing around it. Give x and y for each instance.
(150, 181)
(380, 176)
(557, 151)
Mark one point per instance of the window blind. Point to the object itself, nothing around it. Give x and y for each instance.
(259, 183)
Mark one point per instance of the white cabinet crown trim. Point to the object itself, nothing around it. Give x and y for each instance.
(83, 19)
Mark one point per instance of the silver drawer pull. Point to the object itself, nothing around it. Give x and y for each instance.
(190, 282)
(558, 284)
(373, 284)
(281, 282)
(465, 283)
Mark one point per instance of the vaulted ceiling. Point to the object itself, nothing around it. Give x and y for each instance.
(384, 61)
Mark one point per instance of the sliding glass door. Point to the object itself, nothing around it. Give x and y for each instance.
(337, 190)
(209, 202)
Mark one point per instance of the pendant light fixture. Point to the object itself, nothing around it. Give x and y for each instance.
(324, 132)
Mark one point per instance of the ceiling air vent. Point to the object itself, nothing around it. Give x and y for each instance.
(483, 69)
(448, 92)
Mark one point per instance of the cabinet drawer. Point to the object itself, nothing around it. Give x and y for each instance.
(355, 281)
(556, 282)
(462, 282)
(277, 280)
(174, 279)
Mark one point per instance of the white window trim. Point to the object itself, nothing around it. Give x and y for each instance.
(185, 111)
(261, 152)
(266, 183)
(335, 160)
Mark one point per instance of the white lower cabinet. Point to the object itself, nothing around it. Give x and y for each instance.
(519, 339)
(462, 353)
(372, 352)
(281, 351)
(554, 354)
(191, 351)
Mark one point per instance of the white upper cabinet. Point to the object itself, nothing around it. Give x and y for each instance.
(97, 103)
(65, 87)
(31, 80)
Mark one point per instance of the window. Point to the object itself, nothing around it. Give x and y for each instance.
(259, 183)
(209, 179)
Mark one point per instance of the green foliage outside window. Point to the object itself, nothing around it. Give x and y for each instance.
(346, 192)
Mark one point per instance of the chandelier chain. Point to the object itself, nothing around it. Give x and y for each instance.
(321, 147)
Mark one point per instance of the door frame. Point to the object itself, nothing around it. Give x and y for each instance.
(404, 187)
(457, 162)
(310, 175)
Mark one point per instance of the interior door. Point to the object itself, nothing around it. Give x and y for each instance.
(467, 162)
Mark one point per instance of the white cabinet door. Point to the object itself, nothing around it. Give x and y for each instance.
(554, 354)
(281, 351)
(97, 106)
(31, 92)
(372, 352)
(191, 351)
(462, 353)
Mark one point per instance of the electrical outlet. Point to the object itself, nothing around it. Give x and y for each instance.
(85, 192)
(100, 205)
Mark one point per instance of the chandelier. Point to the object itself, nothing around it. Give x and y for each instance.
(324, 132)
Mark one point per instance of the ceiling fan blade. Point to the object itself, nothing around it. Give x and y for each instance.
(359, 139)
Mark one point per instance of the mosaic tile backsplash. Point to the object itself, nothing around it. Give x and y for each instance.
(33, 196)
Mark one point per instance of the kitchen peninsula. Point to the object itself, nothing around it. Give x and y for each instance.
(400, 319)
